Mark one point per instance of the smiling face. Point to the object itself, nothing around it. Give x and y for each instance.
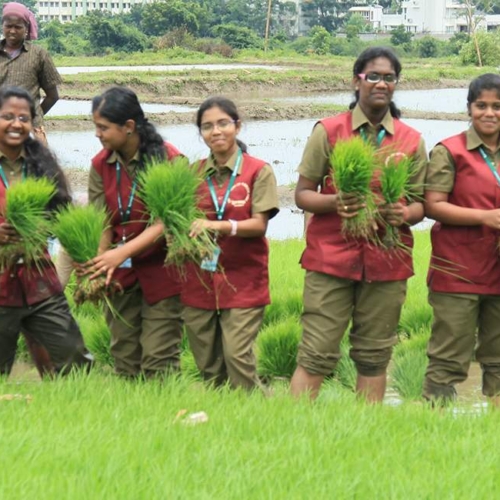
(485, 114)
(112, 135)
(15, 125)
(219, 131)
(375, 97)
(15, 31)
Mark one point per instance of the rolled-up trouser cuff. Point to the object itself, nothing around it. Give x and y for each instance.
(491, 380)
(314, 365)
(434, 392)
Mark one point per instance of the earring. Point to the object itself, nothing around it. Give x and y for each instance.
(129, 133)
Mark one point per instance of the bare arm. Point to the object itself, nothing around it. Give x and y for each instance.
(253, 227)
(51, 97)
(438, 207)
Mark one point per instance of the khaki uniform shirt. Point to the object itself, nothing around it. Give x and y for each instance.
(96, 185)
(315, 163)
(441, 169)
(13, 169)
(33, 69)
(264, 193)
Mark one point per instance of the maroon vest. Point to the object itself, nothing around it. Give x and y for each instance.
(20, 284)
(244, 280)
(465, 259)
(157, 281)
(328, 251)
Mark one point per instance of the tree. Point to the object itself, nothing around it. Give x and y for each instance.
(428, 47)
(166, 15)
(53, 32)
(327, 13)
(355, 25)
(238, 37)
(320, 40)
(399, 36)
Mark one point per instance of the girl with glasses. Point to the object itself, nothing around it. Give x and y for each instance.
(463, 195)
(225, 295)
(353, 279)
(31, 296)
(147, 329)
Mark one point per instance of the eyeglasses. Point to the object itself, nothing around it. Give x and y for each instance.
(10, 117)
(221, 125)
(377, 77)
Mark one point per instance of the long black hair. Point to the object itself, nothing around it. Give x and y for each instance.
(119, 104)
(224, 104)
(488, 81)
(369, 55)
(40, 162)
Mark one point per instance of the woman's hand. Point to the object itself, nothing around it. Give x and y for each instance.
(107, 263)
(8, 234)
(395, 214)
(491, 218)
(199, 225)
(348, 205)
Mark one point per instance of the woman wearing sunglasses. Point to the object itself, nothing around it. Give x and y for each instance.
(225, 295)
(353, 279)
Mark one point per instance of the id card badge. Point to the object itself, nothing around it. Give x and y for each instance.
(210, 264)
(126, 264)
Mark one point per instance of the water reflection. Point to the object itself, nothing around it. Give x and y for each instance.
(73, 70)
(440, 100)
(64, 107)
(278, 142)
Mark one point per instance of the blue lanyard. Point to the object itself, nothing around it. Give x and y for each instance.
(4, 177)
(380, 135)
(490, 164)
(125, 216)
(219, 210)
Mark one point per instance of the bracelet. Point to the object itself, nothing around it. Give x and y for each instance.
(234, 227)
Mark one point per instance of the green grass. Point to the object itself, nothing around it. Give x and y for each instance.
(99, 437)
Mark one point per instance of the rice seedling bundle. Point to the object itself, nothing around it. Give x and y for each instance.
(353, 164)
(169, 189)
(79, 229)
(395, 183)
(25, 209)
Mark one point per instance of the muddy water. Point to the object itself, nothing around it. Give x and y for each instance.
(65, 107)
(440, 100)
(65, 70)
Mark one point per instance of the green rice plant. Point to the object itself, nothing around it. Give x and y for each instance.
(353, 163)
(97, 338)
(395, 183)
(79, 229)
(409, 365)
(277, 346)
(169, 189)
(345, 371)
(25, 209)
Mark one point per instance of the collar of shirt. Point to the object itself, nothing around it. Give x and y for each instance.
(132, 164)
(473, 141)
(359, 119)
(212, 167)
(13, 168)
(24, 47)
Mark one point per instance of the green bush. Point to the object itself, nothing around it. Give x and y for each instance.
(428, 47)
(488, 47)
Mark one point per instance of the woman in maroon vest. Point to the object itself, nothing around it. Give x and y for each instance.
(463, 195)
(147, 329)
(224, 298)
(351, 278)
(31, 298)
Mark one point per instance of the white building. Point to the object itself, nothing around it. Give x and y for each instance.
(372, 14)
(69, 10)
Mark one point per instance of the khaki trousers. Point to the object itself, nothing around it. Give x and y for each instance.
(457, 318)
(145, 338)
(222, 344)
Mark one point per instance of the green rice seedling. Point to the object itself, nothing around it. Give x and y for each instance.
(97, 338)
(353, 162)
(277, 346)
(25, 210)
(170, 192)
(79, 229)
(345, 371)
(409, 365)
(395, 183)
